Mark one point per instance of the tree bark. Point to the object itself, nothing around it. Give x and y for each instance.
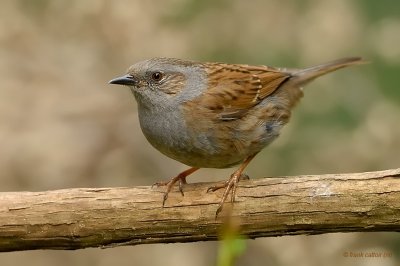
(107, 217)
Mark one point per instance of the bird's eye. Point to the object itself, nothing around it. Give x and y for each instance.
(157, 76)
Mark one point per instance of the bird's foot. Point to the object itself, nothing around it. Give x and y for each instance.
(169, 184)
(230, 187)
(181, 178)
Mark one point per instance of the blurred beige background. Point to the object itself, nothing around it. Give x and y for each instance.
(62, 125)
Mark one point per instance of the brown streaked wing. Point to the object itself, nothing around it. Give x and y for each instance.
(234, 89)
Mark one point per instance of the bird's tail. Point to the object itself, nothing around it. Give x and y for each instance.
(292, 89)
(303, 76)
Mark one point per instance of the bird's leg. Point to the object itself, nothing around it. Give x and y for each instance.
(182, 180)
(231, 184)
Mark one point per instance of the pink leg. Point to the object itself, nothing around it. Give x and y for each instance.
(182, 180)
(231, 184)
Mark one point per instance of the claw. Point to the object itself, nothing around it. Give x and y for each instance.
(182, 180)
(216, 187)
(244, 177)
(181, 183)
(231, 184)
(159, 184)
(165, 197)
(219, 209)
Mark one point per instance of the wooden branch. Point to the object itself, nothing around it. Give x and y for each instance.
(105, 217)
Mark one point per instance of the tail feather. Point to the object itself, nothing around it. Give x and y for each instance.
(306, 75)
(292, 90)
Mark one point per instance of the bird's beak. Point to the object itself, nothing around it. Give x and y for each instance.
(127, 80)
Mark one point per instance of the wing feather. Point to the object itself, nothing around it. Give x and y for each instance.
(234, 89)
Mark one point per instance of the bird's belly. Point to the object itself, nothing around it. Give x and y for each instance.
(193, 149)
(211, 145)
(196, 152)
(207, 149)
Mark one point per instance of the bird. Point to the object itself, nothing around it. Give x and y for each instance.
(216, 115)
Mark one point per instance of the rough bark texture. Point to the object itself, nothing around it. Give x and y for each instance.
(106, 217)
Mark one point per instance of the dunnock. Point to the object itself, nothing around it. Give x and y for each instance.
(216, 115)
